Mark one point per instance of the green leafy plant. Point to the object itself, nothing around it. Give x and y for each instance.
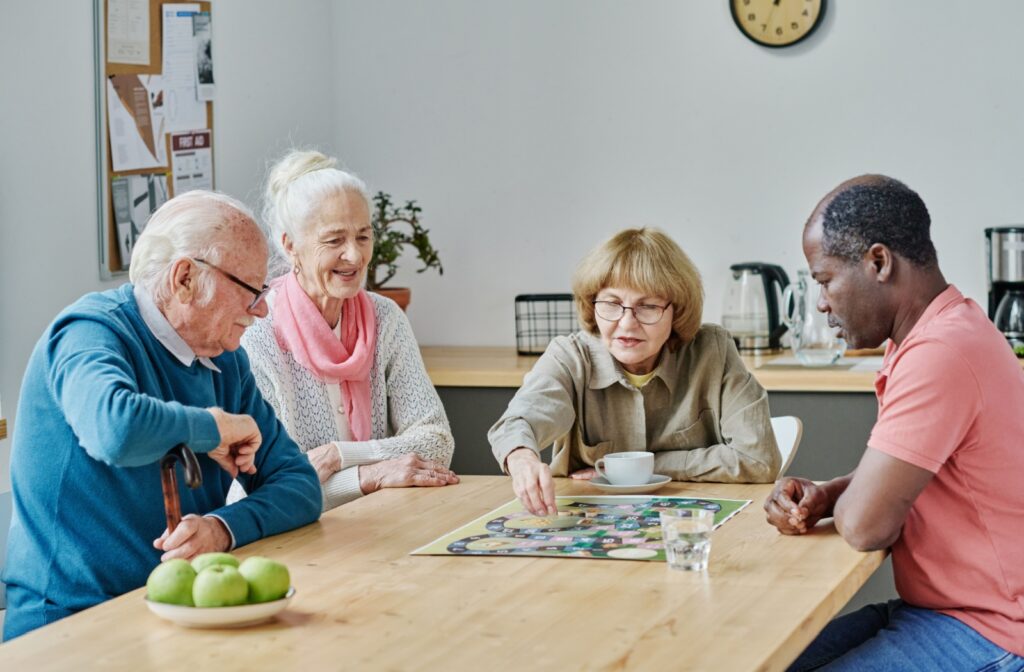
(394, 227)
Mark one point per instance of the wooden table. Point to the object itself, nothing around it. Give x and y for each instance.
(364, 603)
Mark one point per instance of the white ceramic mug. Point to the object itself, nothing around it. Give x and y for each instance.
(634, 467)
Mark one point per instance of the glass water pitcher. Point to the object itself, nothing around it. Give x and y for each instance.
(814, 342)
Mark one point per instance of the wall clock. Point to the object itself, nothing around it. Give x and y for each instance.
(777, 23)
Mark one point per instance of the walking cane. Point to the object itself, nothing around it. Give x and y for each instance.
(169, 480)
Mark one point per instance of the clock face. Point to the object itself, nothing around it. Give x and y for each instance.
(777, 23)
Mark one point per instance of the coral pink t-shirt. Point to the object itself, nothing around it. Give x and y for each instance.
(951, 400)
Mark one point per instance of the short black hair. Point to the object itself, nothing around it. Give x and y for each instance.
(882, 210)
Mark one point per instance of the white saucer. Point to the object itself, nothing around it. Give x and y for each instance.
(221, 617)
(657, 481)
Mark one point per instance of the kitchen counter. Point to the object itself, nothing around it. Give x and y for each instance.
(476, 366)
(486, 366)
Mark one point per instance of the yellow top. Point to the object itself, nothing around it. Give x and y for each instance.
(638, 381)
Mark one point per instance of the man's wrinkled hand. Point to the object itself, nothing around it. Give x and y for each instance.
(796, 505)
(193, 535)
(240, 438)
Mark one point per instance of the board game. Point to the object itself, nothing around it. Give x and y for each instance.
(614, 527)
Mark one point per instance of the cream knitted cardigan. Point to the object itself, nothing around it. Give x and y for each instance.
(406, 415)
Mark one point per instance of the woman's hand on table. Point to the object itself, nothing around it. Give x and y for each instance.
(584, 474)
(193, 535)
(531, 481)
(796, 505)
(326, 459)
(403, 472)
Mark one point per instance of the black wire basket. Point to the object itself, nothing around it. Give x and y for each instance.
(541, 317)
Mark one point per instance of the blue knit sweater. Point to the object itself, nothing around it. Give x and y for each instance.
(101, 403)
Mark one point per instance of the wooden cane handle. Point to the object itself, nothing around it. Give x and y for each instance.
(169, 483)
(169, 480)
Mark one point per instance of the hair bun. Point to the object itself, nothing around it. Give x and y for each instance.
(294, 165)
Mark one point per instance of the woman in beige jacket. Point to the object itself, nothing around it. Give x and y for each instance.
(643, 374)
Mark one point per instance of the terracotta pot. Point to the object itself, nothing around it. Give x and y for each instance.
(400, 295)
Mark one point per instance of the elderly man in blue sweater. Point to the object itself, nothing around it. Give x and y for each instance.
(118, 379)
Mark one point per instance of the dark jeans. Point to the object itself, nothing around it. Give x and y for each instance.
(896, 636)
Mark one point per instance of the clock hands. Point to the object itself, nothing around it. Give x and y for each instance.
(768, 21)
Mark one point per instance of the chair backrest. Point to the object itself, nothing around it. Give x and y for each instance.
(788, 431)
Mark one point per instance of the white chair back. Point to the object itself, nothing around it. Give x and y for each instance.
(788, 432)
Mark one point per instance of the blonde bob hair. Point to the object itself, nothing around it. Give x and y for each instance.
(645, 260)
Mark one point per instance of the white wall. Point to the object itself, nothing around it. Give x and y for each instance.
(275, 87)
(529, 131)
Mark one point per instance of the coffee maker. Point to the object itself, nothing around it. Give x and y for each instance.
(1004, 249)
(751, 311)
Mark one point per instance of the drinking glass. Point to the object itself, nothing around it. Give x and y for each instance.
(686, 534)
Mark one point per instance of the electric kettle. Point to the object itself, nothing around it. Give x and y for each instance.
(751, 312)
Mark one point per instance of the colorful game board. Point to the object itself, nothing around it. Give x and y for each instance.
(616, 527)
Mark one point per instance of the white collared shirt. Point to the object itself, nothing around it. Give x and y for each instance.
(165, 333)
(176, 345)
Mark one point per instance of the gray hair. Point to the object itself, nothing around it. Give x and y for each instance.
(295, 189)
(187, 226)
(878, 209)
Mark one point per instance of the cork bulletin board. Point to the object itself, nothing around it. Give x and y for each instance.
(147, 119)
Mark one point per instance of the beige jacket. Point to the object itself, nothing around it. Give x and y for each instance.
(703, 415)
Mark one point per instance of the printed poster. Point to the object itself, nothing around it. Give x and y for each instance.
(135, 115)
(191, 161)
(135, 198)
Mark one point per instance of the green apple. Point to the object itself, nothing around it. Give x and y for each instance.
(171, 582)
(201, 562)
(219, 586)
(268, 580)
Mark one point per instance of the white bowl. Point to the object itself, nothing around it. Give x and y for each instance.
(220, 617)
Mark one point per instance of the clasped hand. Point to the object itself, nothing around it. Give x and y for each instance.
(796, 505)
(240, 438)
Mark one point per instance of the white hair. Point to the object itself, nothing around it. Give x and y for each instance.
(187, 226)
(296, 188)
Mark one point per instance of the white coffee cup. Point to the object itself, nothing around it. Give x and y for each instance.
(634, 467)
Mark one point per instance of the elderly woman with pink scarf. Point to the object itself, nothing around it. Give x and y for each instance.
(340, 366)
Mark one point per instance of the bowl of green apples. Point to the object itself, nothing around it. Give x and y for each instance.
(215, 590)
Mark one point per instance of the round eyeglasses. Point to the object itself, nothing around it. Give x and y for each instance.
(258, 294)
(644, 314)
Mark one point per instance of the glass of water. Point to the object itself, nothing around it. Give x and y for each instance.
(686, 534)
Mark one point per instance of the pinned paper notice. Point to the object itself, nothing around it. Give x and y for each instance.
(128, 31)
(184, 110)
(191, 161)
(135, 115)
(202, 31)
(135, 197)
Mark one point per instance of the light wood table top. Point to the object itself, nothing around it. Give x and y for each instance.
(475, 366)
(363, 602)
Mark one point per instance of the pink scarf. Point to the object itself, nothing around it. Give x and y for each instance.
(301, 330)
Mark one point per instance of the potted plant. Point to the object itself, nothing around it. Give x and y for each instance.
(394, 227)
